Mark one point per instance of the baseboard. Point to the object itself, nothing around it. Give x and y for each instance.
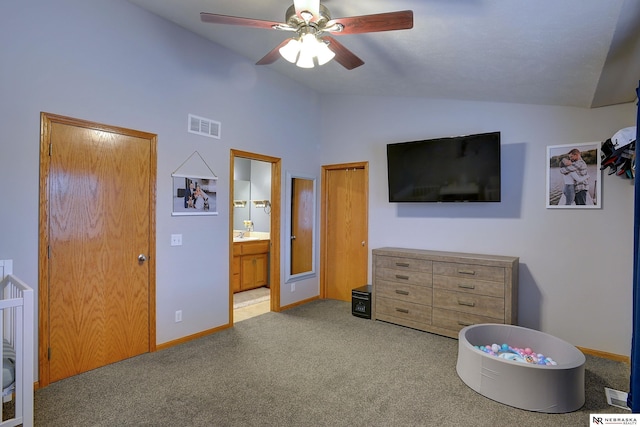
(191, 337)
(605, 355)
(296, 304)
(220, 328)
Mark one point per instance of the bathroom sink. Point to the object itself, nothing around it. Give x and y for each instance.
(245, 239)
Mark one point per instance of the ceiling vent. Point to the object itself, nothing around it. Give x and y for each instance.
(204, 127)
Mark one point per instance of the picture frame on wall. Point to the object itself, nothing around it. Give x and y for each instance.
(194, 196)
(574, 179)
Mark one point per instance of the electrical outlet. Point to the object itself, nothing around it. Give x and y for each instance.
(176, 240)
(293, 287)
(178, 316)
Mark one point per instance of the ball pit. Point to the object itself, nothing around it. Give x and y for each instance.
(502, 362)
(525, 355)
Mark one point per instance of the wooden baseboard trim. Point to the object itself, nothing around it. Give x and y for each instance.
(296, 304)
(605, 355)
(191, 337)
(188, 338)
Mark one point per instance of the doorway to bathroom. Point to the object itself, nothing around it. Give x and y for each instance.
(254, 229)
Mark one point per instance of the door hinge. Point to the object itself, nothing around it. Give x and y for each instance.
(48, 251)
(50, 145)
(49, 353)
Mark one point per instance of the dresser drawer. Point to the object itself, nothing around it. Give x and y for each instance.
(403, 292)
(454, 320)
(472, 286)
(410, 277)
(469, 303)
(403, 310)
(399, 263)
(469, 271)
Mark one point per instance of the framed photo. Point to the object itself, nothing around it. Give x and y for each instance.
(574, 176)
(194, 196)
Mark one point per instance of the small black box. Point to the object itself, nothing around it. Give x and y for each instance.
(361, 302)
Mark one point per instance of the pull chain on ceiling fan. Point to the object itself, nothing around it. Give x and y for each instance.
(310, 20)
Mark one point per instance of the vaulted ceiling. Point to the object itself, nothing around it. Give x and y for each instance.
(583, 53)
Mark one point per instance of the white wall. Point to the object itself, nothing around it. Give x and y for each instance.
(110, 62)
(575, 265)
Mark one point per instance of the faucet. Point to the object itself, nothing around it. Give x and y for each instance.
(240, 234)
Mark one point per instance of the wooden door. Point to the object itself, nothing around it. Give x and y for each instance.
(345, 229)
(301, 225)
(100, 202)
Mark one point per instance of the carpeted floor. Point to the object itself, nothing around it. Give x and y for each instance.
(315, 365)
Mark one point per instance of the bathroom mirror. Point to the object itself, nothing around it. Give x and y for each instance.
(300, 226)
(241, 197)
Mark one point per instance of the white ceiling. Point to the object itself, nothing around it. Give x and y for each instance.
(583, 53)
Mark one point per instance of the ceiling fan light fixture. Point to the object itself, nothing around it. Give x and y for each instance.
(291, 50)
(309, 48)
(323, 53)
(305, 60)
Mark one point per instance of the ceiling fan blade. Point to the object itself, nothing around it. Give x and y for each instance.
(273, 55)
(344, 56)
(245, 22)
(389, 21)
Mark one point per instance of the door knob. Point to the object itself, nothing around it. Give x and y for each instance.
(293, 237)
(142, 258)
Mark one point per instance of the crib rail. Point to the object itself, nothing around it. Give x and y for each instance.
(17, 326)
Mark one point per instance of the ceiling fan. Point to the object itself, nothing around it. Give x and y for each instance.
(311, 21)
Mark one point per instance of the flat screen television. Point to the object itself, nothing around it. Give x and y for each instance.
(453, 169)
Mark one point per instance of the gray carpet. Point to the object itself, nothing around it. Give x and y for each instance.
(316, 365)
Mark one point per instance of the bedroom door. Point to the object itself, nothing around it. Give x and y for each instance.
(344, 245)
(97, 288)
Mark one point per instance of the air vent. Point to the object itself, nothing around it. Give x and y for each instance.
(204, 127)
(616, 398)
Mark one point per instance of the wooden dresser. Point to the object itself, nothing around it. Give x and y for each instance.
(442, 292)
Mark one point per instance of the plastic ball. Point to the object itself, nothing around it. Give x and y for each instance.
(495, 348)
(505, 347)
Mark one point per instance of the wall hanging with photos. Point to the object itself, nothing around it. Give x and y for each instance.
(194, 188)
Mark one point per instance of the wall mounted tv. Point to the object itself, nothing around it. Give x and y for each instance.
(452, 169)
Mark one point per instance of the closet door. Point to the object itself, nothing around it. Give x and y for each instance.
(345, 229)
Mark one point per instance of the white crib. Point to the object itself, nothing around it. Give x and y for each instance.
(17, 351)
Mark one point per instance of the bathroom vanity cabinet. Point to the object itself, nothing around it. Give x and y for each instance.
(250, 265)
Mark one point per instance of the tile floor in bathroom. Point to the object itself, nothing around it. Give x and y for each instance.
(250, 304)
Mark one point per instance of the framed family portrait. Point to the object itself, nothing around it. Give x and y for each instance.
(194, 196)
(574, 176)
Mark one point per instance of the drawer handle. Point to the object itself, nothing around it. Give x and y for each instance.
(460, 285)
(461, 323)
(402, 310)
(468, 304)
(402, 264)
(400, 276)
(398, 291)
(468, 272)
